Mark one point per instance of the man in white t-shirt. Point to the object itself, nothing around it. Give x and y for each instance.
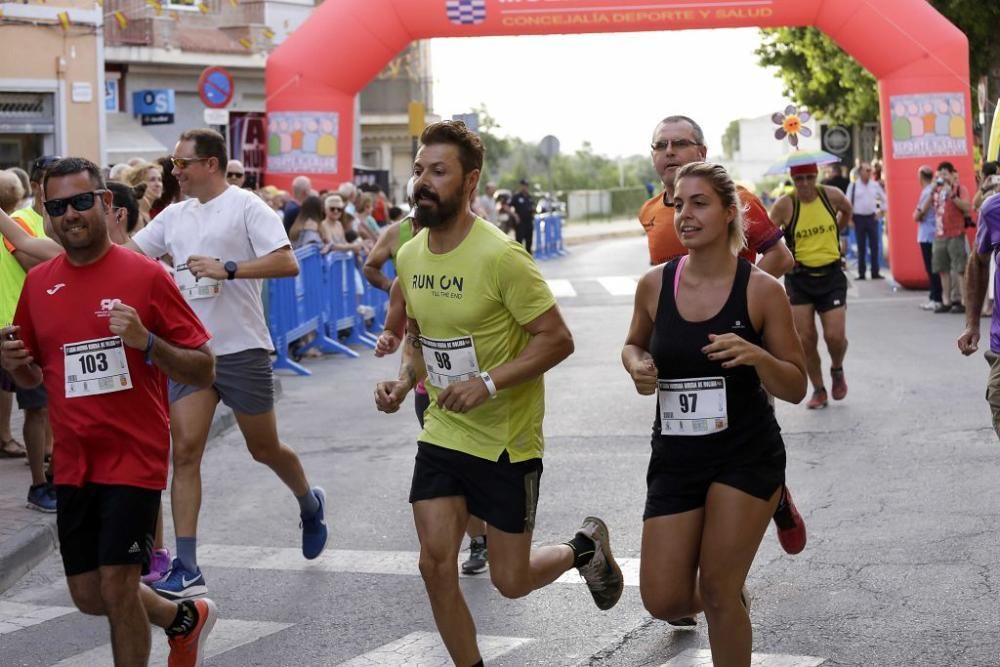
(224, 241)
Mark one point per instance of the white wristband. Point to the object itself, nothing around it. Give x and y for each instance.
(488, 381)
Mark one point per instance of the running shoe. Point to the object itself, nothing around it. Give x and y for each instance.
(791, 527)
(957, 308)
(314, 531)
(42, 497)
(181, 583)
(839, 388)
(942, 308)
(930, 305)
(188, 650)
(602, 574)
(478, 556)
(159, 566)
(818, 400)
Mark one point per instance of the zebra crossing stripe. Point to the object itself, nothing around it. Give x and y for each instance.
(619, 285)
(561, 288)
(402, 563)
(427, 650)
(702, 657)
(16, 616)
(227, 635)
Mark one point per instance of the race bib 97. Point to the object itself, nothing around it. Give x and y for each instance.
(95, 367)
(694, 406)
(195, 288)
(449, 360)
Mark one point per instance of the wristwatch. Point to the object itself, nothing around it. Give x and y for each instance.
(230, 268)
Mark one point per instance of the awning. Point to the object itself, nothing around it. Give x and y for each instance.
(127, 139)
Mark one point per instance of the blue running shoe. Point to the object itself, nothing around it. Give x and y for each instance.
(314, 528)
(180, 583)
(42, 497)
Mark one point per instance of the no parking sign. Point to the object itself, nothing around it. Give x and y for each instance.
(215, 87)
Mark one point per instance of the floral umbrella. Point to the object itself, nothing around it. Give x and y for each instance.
(791, 124)
(798, 158)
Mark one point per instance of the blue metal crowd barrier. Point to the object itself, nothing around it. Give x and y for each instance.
(325, 299)
(548, 236)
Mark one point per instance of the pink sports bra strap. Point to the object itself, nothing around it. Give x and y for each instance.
(677, 274)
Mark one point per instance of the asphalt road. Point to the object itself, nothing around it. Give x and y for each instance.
(898, 485)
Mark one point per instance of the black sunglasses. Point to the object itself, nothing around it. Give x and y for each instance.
(44, 162)
(80, 203)
(234, 174)
(334, 208)
(678, 144)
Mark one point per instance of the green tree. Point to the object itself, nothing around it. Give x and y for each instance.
(731, 139)
(497, 148)
(819, 75)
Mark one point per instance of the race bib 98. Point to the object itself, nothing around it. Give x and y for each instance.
(449, 360)
(694, 406)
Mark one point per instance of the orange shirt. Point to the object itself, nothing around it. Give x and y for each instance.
(658, 220)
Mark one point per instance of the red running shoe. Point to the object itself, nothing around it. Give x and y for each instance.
(791, 527)
(818, 400)
(839, 389)
(188, 650)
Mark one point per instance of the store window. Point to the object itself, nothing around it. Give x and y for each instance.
(27, 127)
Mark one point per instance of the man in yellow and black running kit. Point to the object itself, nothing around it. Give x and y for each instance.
(483, 328)
(812, 217)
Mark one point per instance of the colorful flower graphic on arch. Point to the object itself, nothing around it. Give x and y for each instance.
(302, 142)
(791, 124)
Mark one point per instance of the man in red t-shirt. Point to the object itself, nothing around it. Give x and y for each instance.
(951, 203)
(678, 140)
(103, 327)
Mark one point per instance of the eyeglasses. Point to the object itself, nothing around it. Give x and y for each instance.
(185, 162)
(678, 144)
(234, 174)
(80, 203)
(335, 208)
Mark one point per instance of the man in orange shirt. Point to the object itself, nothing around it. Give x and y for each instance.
(678, 140)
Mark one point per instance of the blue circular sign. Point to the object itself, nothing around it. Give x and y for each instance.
(215, 87)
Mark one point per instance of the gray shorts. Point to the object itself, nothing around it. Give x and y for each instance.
(243, 380)
(949, 255)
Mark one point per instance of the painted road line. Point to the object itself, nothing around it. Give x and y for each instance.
(227, 635)
(401, 563)
(561, 288)
(16, 616)
(619, 285)
(702, 657)
(427, 650)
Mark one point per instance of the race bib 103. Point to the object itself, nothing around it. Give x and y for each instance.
(95, 367)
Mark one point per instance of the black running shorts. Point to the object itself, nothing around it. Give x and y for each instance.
(100, 524)
(677, 482)
(501, 493)
(825, 291)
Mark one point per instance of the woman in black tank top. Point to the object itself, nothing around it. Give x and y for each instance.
(711, 335)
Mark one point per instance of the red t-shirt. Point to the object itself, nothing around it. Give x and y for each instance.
(658, 220)
(122, 437)
(950, 221)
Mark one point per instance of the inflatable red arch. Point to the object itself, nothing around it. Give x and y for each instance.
(920, 59)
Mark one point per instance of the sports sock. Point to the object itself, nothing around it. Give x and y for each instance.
(187, 553)
(308, 503)
(478, 664)
(583, 549)
(185, 620)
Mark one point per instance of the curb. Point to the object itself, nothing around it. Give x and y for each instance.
(30, 545)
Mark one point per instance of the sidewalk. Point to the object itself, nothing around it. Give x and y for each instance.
(576, 233)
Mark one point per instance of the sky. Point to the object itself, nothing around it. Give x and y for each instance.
(609, 89)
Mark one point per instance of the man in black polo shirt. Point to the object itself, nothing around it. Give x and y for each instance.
(524, 206)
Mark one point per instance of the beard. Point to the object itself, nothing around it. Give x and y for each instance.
(439, 213)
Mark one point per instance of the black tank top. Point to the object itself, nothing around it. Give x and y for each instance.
(676, 349)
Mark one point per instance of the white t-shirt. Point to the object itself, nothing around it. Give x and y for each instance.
(236, 225)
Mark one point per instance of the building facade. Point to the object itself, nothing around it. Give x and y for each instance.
(51, 82)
